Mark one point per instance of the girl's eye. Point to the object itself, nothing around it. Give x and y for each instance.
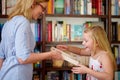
(85, 40)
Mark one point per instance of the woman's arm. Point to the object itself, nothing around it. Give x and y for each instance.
(35, 57)
(1, 62)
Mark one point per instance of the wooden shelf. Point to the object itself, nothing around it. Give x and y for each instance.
(3, 16)
(115, 16)
(58, 69)
(115, 42)
(65, 42)
(76, 16)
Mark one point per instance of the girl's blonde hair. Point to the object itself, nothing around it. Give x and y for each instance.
(23, 7)
(99, 35)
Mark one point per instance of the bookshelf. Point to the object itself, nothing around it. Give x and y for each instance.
(72, 17)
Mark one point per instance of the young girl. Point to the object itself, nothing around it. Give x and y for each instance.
(102, 63)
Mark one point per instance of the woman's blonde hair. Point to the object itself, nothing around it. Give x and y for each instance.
(23, 7)
(99, 35)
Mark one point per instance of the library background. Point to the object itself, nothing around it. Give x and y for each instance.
(64, 23)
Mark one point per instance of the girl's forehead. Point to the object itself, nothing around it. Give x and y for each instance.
(87, 34)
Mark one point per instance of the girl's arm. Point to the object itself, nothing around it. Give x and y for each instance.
(107, 74)
(74, 49)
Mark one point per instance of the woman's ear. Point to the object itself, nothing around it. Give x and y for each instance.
(33, 5)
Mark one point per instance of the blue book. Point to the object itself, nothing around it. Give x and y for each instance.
(77, 32)
(117, 75)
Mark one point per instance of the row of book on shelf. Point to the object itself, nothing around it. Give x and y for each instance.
(115, 5)
(37, 75)
(63, 75)
(37, 50)
(117, 75)
(82, 7)
(62, 31)
(6, 6)
(116, 53)
(36, 29)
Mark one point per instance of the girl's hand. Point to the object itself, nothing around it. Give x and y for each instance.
(62, 47)
(80, 69)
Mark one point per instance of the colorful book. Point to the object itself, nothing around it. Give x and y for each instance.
(77, 32)
(59, 6)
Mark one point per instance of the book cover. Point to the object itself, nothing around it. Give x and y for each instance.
(49, 31)
(50, 7)
(117, 77)
(67, 6)
(118, 32)
(1, 26)
(9, 6)
(59, 6)
(114, 31)
(73, 58)
(67, 57)
(0, 7)
(3, 7)
(77, 32)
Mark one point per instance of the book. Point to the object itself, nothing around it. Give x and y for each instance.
(67, 57)
(0, 7)
(77, 32)
(117, 77)
(59, 6)
(9, 5)
(114, 31)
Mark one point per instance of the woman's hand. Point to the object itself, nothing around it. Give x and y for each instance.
(55, 54)
(80, 69)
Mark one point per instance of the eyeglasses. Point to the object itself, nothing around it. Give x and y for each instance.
(43, 8)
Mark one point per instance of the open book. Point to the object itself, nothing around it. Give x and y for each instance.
(73, 58)
(67, 57)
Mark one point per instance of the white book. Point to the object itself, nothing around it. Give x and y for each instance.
(67, 57)
(9, 6)
(3, 7)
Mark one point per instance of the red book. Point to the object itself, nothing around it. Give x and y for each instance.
(49, 30)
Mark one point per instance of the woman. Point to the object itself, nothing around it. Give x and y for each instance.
(17, 44)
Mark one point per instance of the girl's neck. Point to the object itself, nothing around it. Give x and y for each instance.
(96, 53)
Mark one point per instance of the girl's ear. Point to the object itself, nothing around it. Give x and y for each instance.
(96, 43)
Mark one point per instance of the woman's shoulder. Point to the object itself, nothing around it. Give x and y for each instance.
(19, 18)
